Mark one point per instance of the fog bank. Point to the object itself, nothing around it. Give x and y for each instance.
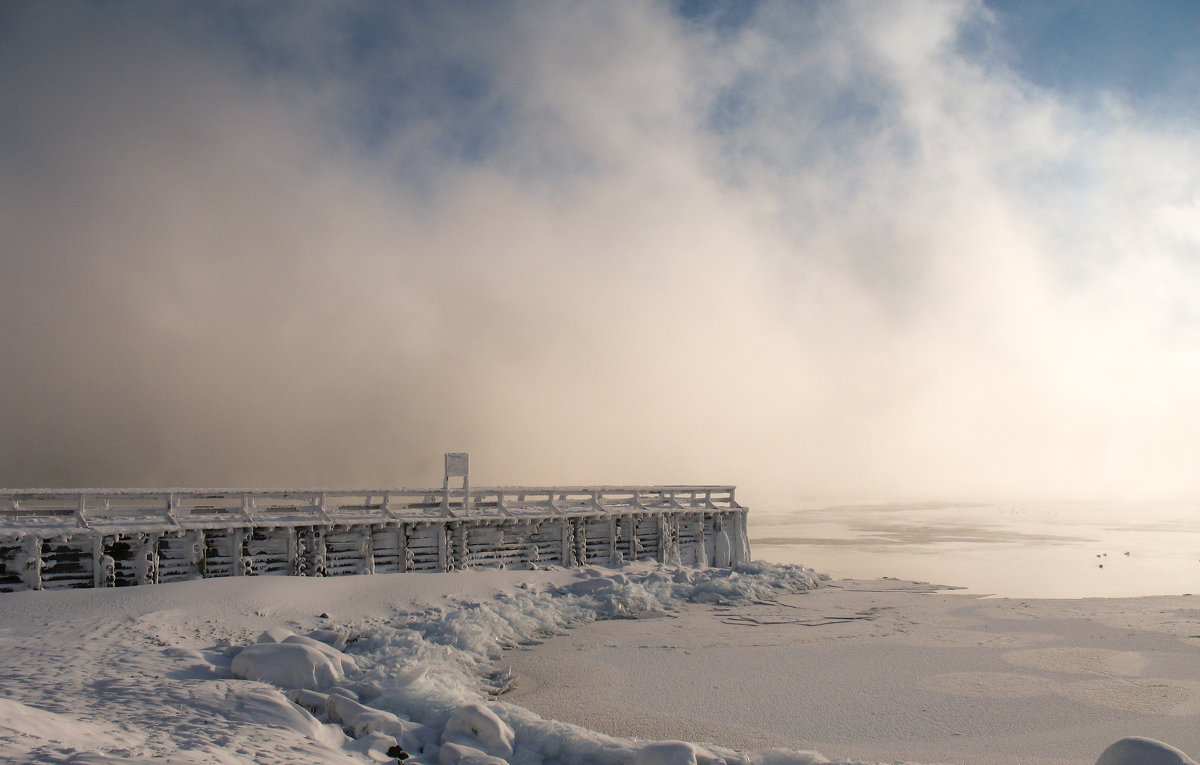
(839, 250)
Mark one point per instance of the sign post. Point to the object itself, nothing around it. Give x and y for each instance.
(457, 466)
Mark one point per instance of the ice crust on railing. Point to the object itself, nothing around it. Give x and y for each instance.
(96, 538)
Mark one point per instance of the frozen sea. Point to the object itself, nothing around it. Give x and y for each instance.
(1053, 549)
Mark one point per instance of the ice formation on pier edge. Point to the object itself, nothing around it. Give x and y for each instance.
(421, 682)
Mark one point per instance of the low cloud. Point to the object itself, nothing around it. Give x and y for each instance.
(833, 252)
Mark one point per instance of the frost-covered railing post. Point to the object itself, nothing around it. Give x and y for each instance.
(56, 538)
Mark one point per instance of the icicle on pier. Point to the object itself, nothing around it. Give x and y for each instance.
(56, 538)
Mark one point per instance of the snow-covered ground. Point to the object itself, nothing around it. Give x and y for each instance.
(886, 670)
(354, 669)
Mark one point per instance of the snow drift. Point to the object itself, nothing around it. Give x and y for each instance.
(386, 678)
(421, 683)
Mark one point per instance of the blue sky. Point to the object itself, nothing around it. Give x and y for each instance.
(913, 248)
(1145, 52)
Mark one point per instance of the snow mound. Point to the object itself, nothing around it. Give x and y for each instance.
(476, 723)
(460, 754)
(784, 757)
(275, 635)
(675, 753)
(288, 665)
(344, 662)
(270, 708)
(359, 720)
(339, 639)
(1143, 751)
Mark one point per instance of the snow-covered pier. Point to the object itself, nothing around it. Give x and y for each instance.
(54, 538)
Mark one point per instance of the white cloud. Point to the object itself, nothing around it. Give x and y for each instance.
(883, 267)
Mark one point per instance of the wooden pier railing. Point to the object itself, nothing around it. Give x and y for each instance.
(52, 538)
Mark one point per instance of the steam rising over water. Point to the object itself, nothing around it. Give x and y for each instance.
(1038, 550)
(850, 248)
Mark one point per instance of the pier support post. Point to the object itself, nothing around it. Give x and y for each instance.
(614, 555)
(444, 563)
(31, 569)
(147, 559)
(238, 563)
(741, 542)
(405, 557)
(568, 543)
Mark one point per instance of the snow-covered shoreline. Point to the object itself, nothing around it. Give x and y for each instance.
(366, 665)
(151, 674)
